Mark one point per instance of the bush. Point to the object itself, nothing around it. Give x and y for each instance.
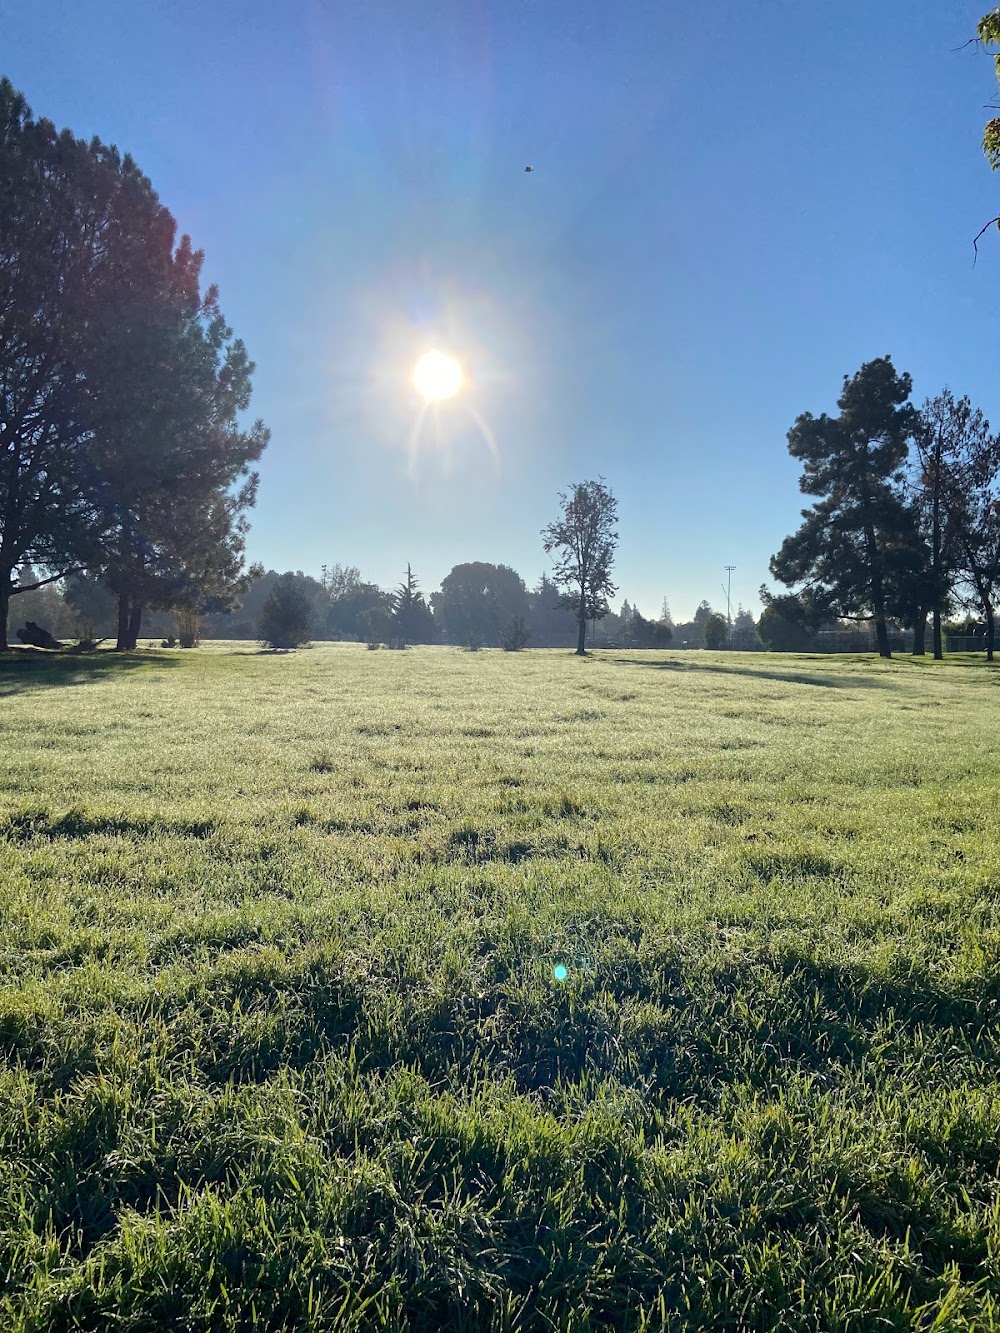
(169, 642)
(377, 625)
(473, 643)
(188, 628)
(514, 634)
(286, 620)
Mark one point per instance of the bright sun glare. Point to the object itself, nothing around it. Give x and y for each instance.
(437, 376)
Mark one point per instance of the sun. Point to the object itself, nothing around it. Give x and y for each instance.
(437, 376)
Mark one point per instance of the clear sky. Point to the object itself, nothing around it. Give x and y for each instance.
(732, 206)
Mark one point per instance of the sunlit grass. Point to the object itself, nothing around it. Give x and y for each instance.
(446, 990)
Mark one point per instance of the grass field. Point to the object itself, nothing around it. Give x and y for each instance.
(284, 1045)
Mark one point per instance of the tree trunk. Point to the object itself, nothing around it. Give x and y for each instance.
(875, 566)
(938, 645)
(882, 637)
(920, 634)
(4, 607)
(991, 630)
(124, 610)
(134, 625)
(581, 620)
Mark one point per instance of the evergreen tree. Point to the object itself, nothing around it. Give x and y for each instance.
(856, 548)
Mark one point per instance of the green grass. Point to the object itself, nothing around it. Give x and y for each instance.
(283, 1046)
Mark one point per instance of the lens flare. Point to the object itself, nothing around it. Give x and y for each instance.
(560, 972)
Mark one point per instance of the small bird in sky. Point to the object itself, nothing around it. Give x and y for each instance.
(529, 168)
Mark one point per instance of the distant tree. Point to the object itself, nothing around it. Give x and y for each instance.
(340, 581)
(643, 633)
(414, 621)
(716, 632)
(786, 624)
(514, 634)
(346, 614)
(743, 621)
(286, 620)
(552, 624)
(480, 598)
(585, 538)
(377, 625)
(843, 552)
(665, 617)
(703, 614)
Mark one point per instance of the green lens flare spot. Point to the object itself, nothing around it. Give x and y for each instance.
(560, 972)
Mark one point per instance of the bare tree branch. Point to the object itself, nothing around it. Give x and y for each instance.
(975, 244)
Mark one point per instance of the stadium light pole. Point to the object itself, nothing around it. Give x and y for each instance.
(729, 584)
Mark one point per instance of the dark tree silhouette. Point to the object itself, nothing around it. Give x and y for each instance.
(585, 539)
(857, 539)
(478, 599)
(286, 620)
(119, 383)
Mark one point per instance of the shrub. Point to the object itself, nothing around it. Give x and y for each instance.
(188, 628)
(169, 642)
(514, 634)
(473, 643)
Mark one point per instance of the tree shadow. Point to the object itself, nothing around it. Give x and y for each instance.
(26, 669)
(825, 681)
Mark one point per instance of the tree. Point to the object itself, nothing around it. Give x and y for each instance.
(703, 614)
(643, 633)
(552, 624)
(287, 618)
(340, 581)
(854, 549)
(954, 480)
(585, 538)
(514, 635)
(782, 633)
(79, 223)
(120, 383)
(479, 598)
(665, 617)
(414, 621)
(346, 614)
(716, 631)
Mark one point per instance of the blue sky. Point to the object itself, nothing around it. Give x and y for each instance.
(732, 206)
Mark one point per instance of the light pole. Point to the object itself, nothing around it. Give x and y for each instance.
(729, 583)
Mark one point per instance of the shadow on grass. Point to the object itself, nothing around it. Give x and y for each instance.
(829, 682)
(26, 669)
